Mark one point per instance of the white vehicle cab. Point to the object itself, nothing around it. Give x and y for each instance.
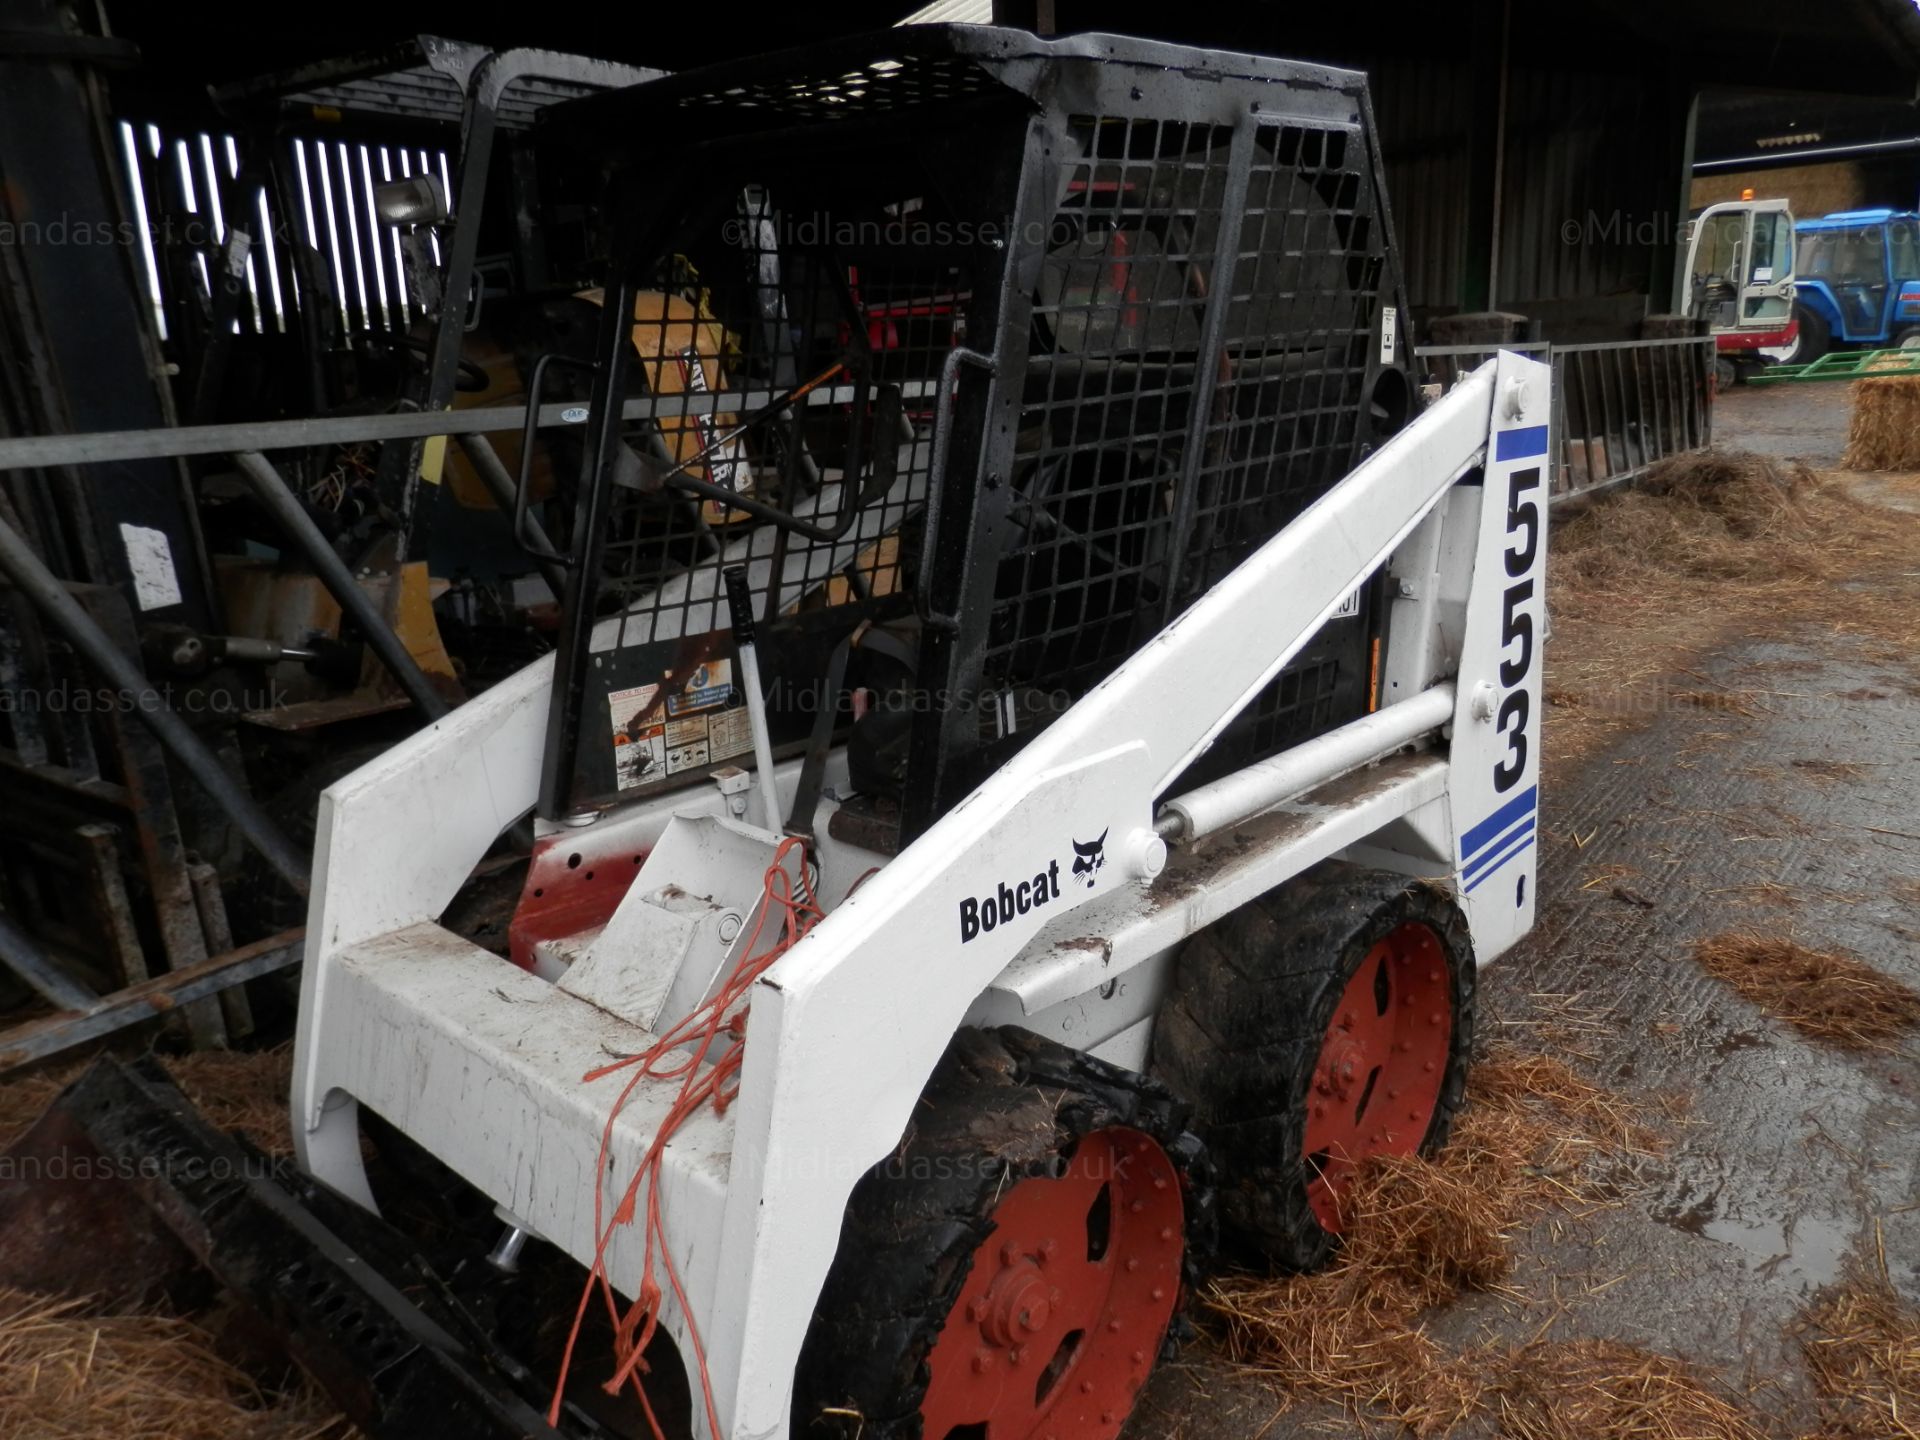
(1740, 280)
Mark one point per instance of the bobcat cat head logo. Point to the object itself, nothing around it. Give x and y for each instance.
(1088, 857)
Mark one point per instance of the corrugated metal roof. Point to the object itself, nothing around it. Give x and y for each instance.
(952, 12)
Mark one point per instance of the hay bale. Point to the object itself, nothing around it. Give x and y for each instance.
(1884, 433)
(1896, 360)
(1830, 996)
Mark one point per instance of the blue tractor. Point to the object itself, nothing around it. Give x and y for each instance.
(1857, 283)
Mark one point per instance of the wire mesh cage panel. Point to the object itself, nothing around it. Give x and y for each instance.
(990, 353)
(787, 427)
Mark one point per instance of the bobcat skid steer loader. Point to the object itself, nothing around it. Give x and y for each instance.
(1053, 825)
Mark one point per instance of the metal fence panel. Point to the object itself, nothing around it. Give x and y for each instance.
(1619, 406)
(1447, 365)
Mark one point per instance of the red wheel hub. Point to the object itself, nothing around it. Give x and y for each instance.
(1064, 1310)
(1377, 1081)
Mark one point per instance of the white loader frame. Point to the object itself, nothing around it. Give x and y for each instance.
(481, 1061)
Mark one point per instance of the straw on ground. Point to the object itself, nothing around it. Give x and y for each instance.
(1827, 994)
(1535, 1136)
(69, 1374)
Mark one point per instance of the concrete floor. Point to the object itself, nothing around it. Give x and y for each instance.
(1790, 422)
(1791, 1154)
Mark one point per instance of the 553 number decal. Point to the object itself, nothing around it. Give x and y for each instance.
(1518, 652)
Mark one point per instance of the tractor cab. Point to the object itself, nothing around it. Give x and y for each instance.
(1740, 280)
(1859, 282)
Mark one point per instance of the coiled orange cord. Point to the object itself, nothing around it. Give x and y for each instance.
(715, 1084)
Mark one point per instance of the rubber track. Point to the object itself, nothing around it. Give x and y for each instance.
(1003, 1105)
(1239, 1036)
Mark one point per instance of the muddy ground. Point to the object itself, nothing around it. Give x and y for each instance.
(1802, 817)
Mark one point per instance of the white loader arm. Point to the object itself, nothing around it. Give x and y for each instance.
(847, 1027)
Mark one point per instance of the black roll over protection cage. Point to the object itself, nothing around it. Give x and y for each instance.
(1004, 348)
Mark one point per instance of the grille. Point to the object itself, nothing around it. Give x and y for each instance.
(1292, 391)
(1042, 377)
(783, 357)
(775, 371)
(1112, 370)
(881, 85)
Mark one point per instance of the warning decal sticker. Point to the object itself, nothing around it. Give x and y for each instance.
(710, 684)
(660, 731)
(729, 733)
(639, 740)
(686, 744)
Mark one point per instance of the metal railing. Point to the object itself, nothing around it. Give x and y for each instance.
(1447, 365)
(1619, 405)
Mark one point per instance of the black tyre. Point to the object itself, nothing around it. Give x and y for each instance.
(1017, 1266)
(1328, 1021)
(1813, 339)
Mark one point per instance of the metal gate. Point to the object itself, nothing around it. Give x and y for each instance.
(1620, 405)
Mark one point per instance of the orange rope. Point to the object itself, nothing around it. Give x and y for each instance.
(634, 1329)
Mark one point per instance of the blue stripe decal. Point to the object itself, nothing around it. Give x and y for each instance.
(1519, 444)
(1491, 870)
(1496, 824)
(1495, 856)
(1471, 867)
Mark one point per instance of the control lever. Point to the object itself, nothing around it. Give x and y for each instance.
(740, 610)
